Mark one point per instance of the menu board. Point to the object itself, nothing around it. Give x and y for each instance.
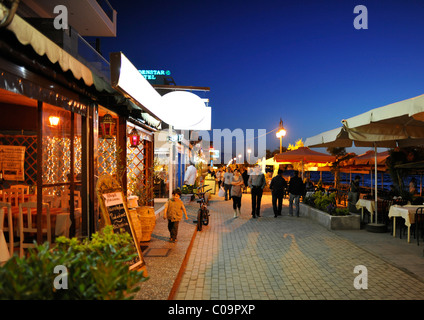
(12, 161)
(119, 220)
(115, 213)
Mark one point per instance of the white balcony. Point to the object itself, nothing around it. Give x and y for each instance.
(91, 18)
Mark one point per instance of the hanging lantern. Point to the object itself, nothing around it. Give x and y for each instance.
(54, 121)
(134, 138)
(107, 125)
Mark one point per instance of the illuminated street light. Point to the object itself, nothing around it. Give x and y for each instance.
(280, 134)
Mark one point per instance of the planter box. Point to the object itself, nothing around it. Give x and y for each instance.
(349, 222)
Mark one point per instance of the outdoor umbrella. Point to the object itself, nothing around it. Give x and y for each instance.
(365, 162)
(304, 155)
(340, 137)
(401, 122)
(397, 124)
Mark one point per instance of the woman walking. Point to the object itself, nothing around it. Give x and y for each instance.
(237, 191)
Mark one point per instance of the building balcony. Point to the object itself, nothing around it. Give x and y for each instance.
(90, 18)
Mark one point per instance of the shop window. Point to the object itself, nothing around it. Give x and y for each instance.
(62, 154)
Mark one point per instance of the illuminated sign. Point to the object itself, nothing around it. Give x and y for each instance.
(176, 138)
(151, 74)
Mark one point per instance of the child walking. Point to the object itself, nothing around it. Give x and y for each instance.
(174, 209)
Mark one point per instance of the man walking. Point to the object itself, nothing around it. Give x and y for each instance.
(228, 180)
(190, 175)
(278, 186)
(256, 183)
(296, 189)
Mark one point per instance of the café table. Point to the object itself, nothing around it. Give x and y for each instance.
(407, 212)
(59, 219)
(367, 204)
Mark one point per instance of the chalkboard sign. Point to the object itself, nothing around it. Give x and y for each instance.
(115, 213)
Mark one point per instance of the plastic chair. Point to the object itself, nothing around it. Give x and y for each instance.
(29, 228)
(6, 206)
(383, 208)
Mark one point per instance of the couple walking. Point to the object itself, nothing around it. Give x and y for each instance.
(279, 185)
(234, 183)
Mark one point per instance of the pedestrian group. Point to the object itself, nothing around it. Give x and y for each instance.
(234, 182)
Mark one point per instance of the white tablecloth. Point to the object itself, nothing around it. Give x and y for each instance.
(367, 204)
(63, 223)
(407, 212)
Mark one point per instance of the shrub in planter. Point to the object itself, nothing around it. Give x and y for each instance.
(96, 269)
(322, 201)
(341, 212)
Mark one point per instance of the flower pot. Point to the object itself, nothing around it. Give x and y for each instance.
(147, 218)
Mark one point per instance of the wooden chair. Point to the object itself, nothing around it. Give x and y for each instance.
(12, 196)
(29, 228)
(419, 224)
(23, 190)
(66, 198)
(23, 187)
(3, 207)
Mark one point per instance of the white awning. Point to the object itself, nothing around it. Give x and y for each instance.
(28, 35)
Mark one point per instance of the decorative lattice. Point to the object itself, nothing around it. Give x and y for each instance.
(107, 156)
(135, 165)
(140, 171)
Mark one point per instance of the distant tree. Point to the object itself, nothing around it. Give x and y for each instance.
(299, 143)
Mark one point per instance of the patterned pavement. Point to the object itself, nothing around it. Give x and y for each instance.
(285, 258)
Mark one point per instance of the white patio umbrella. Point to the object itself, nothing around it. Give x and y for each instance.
(340, 137)
(397, 124)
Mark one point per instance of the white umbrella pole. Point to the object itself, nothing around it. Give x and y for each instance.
(375, 184)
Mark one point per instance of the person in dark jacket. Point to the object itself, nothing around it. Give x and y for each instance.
(296, 190)
(278, 187)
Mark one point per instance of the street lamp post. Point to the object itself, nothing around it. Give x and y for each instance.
(280, 134)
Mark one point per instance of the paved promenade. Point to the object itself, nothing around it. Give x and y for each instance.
(294, 258)
(284, 258)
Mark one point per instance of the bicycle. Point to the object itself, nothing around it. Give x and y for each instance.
(203, 212)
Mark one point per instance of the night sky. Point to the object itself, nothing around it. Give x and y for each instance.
(301, 60)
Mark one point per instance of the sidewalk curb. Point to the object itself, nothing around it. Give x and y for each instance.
(177, 281)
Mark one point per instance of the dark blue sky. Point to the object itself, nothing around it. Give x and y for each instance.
(301, 60)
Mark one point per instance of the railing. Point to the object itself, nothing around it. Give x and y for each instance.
(107, 8)
(92, 59)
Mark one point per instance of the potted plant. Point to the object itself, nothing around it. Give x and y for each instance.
(143, 217)
(96, 269)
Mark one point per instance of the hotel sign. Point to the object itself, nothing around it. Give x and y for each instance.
(151, 74)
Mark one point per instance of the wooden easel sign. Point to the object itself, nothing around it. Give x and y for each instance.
(115, 213)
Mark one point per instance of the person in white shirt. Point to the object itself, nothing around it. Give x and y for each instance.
(228, 180)
(190, 175)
